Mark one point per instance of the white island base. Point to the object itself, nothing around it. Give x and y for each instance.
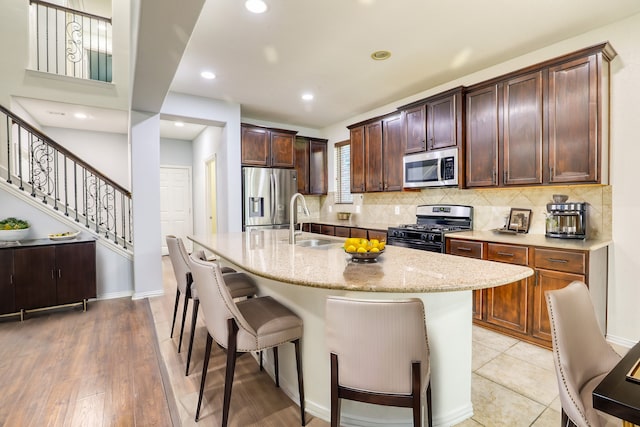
(448, 318)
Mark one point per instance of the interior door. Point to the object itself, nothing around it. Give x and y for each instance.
(175, 204)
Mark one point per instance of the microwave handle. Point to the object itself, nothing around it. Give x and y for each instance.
(441, 164)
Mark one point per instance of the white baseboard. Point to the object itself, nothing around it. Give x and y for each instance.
(113, 295)
(150, 294)
(623, 342)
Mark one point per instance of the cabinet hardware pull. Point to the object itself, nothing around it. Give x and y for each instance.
(464, 249)
(59, 273)
(505, 254)
(562, 261)
(53, 274)
(11, 279)
(535, 282)
(505, 175)
(494, 176)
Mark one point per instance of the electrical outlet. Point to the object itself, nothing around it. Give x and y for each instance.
(397, 210)
(357, 209)
(330, 208)
(299, 209)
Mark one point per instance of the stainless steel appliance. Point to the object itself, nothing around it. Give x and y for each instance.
(431, 169)
(432, 223)
(567, 220)
(266, 193)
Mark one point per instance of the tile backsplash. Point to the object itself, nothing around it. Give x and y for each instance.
(491, 206)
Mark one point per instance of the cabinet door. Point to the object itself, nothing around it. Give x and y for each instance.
(442, 123)
(35, 282)
(359, 232)
(282, 152)
(7, 289)
(547, 280)
(316, 228)
(302, 164)
(317, 167)
(507, 305)
(393, 147)
(329, 230)
(373, 156)
(342, 232)
(76, 272)
(416, 130)
(482, 137)
(255, 146)
(522, 130)
(379, 235)
(357, 159)
(573, 118)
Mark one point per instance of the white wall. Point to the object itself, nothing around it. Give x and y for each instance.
(624, 262)
(107, 152)
(176, 152)
(224, 115)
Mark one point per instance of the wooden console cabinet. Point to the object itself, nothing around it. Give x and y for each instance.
(42, 273)
(519, 309)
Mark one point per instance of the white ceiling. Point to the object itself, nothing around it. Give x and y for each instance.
(265, 62)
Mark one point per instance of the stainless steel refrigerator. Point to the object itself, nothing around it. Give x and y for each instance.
(266, 194)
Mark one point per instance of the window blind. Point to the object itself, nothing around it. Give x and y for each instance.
(343, 172)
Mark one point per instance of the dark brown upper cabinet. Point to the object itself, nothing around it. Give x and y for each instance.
(377, 147)
(267, 147)
(357, 159)
(545, 124)
(311, 165)
(434, 123)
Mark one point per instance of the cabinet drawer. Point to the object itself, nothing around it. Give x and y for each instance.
(343, 232)
(377, 234)
(465, 248)
(570, 262)
(316, 228)
(329, 230)
(359, 232)
(508, 253)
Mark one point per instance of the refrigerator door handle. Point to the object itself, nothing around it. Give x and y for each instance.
(274, 196)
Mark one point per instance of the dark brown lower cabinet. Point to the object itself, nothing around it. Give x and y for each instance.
(46, 275)
(7, 289)
(519, 309)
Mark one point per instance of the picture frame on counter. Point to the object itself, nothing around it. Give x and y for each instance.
(519, 220)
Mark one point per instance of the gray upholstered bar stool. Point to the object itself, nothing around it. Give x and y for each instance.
(379, 354)
(240, 285)
(581, 355)
(249, 325)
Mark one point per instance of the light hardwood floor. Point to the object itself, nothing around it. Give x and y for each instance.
(70, 368)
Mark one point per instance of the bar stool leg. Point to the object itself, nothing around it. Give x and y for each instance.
(296, 343)
(205, 366)
(194, 318)
(175, 311)
(231, 367)
(275, 362)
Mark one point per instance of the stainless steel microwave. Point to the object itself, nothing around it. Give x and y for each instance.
(431, 169)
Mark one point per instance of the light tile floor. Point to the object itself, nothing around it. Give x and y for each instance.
(513, 383)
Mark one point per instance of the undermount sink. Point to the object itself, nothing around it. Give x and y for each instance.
(314, 242)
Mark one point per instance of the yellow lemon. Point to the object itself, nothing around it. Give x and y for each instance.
(374, 250)
(381, 245)
(350, 248)
(361, 249)
(374, 242)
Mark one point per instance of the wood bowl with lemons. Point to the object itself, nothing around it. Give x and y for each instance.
(364, 250)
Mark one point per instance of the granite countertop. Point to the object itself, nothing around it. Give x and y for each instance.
(532, 240)
(267, 253)
(82, 237)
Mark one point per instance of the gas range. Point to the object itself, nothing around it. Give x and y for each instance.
(432, 223)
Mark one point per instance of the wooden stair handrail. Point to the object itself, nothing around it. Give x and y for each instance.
(63, 150)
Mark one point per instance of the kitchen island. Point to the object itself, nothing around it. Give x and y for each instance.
(302, 277)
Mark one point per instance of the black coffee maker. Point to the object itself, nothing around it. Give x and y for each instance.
(567, 220)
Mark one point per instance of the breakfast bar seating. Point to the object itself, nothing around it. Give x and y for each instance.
(250, 325)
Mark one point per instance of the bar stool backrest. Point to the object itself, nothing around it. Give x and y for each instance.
(376, 342)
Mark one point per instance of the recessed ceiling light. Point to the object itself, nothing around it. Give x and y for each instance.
(208, 75)
(256, 6)
(80, 115)
(381, 55)
(307, 96)
(178, 124)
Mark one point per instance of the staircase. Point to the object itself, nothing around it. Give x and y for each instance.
(37, 167)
